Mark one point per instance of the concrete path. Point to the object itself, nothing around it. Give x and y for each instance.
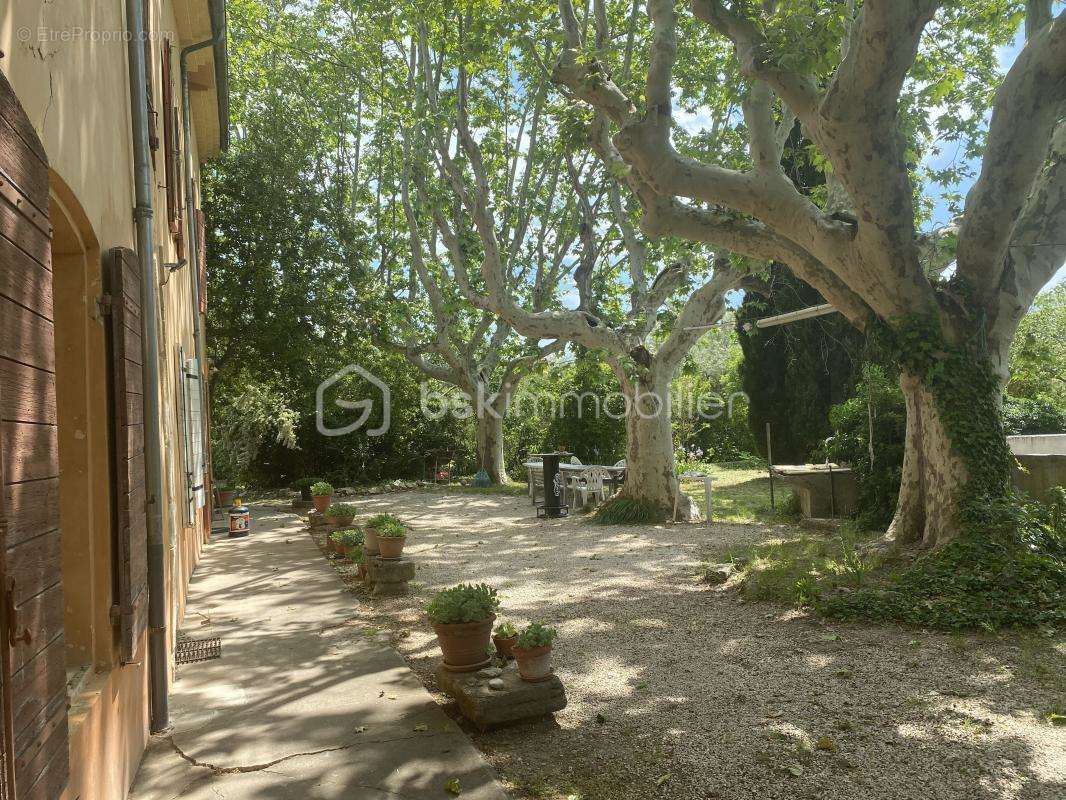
(305, 703)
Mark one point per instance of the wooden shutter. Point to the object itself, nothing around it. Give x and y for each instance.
(153, 115)
(201, 257)
(127, 415)
(172, 152)
(32, 650)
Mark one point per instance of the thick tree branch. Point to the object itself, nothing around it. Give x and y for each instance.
(704, 307)
(798, 90)
(1028, 106)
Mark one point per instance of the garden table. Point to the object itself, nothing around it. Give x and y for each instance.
(535, 475)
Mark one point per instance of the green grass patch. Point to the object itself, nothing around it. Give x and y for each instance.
(623, 510)
(987, 581)
(740, 494)
(1009, 575)
(802, 569)
(509, 489)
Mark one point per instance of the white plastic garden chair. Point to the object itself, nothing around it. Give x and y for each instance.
(591, 482)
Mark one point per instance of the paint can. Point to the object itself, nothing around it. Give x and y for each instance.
(240, 520)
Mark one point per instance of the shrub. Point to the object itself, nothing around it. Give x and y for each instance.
(341, 510)
(1024, 416)
(507, 630)
(305, 483)
(1010, 572)
(321, 489)
(878, 393)
(629, 511)
(463, 603)
(536, 635)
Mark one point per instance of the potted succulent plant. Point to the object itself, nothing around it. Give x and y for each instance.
(533, 652)
(321, 495)
(462, 618)
(339, 541)
(504, 638)
(392, 536)
(340, 514)
(333, 541)
(377, 523)
(351, 544)
(303, 486)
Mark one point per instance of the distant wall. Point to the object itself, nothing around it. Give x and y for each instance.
(1042, 444)
(1041, 463)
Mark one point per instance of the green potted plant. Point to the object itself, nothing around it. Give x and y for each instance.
(303, 486)
(377, 523)
(339, 539)
(392, 536)
(351, 544)
(504, 638)
(340, 514)
(333, 542)
(533, 652)
(321, 495)
(462, 618)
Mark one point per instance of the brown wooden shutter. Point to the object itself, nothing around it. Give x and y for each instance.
(172, 152)
(153, 115)
(33, 723)
(126, 372)
(201, 258)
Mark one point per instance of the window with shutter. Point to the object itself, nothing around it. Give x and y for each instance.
(153, 116)
(33, 725)
(201, 238)
(126, 373)
(172, 152)
(194, 437)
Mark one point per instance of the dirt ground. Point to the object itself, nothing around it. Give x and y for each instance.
(681, 690)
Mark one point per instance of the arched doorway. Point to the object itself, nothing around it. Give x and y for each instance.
(81, 414)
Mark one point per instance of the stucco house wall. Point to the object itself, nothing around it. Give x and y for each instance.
(67, 62)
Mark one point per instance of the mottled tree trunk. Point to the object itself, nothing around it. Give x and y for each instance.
(651, 470)
(490, 446)
(939, 475)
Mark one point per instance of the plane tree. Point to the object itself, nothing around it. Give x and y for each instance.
(860, 81)
(643, 305)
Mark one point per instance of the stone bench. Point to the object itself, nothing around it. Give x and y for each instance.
(821, 492)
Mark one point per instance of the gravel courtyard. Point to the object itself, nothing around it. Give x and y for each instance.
(681, 690)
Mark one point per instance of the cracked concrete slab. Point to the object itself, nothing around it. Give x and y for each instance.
(305, 702)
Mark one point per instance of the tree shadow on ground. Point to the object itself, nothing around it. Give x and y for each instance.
(682, 691)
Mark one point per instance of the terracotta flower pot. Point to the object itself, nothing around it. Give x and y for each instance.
(534, 665)
(504, 646)
(465, 644)
(225, 498)
(370, 541)
(332, 546)
(391, 546)
(321, 502)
